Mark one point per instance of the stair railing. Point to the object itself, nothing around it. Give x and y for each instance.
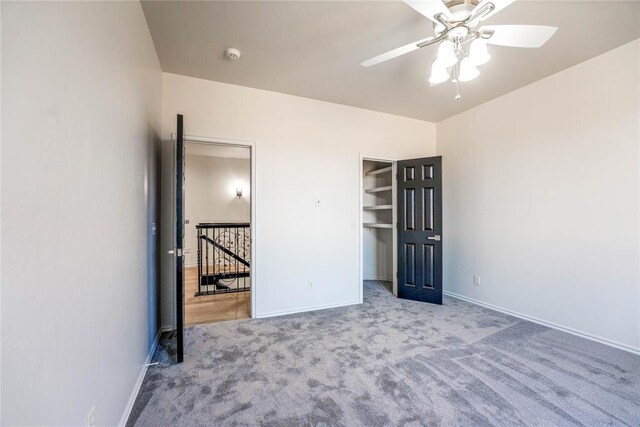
(224, 252)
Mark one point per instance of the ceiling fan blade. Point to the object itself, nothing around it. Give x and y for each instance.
(519, 35)
(498, 5)
(395, 52)
(430, 8)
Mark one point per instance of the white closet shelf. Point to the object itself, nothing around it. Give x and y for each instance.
(373, 225)
(378, 189)
(377, 208)
(379, 171)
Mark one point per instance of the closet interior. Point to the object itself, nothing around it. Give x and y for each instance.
(378, 219)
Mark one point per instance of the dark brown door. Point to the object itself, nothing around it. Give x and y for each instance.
(420, 229)
(179, 250)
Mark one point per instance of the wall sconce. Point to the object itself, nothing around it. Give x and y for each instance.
(239, 192)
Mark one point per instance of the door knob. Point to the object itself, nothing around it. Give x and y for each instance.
(171, 251)
(436, 237)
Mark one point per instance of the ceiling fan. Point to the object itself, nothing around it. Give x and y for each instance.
(458, 23)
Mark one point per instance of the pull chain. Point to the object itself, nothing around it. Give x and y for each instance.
(456, 70)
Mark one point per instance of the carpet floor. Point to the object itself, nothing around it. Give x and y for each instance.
(389, 362)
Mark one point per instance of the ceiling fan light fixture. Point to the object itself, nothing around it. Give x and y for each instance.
(457, 23)
(447, 54)
(439, 73)
(478, 52)
(468, 70)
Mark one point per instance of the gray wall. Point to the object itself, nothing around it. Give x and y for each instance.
(81, 111)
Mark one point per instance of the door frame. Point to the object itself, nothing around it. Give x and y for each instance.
(253, 211)
(394, 220)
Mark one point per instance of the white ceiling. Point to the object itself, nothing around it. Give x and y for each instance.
(212, 150)
(314, 48)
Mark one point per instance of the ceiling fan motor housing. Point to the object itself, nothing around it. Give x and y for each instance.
(461, 10)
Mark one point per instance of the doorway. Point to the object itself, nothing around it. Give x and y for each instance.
(401, 228)
(226, 261)
(217, 233)
(378, 237)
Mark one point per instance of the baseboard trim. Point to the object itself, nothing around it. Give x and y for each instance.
(305, 309)
(591, 337)
(138, 384)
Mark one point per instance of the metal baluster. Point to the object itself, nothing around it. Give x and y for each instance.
(216, 255)
(199, 232)
(206, 248)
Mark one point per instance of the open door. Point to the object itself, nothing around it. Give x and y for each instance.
(419, 183)
(179, 249)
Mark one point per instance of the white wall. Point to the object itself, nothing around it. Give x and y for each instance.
(542, 199)
(81, 106)
(307, 150)
(210, 195)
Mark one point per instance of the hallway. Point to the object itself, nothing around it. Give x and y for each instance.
(212, 308)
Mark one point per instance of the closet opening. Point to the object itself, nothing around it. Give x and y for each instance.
(378, 237)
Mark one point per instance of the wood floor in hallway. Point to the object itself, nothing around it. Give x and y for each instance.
(212, 308)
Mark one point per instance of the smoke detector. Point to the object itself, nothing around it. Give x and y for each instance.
(232, 54)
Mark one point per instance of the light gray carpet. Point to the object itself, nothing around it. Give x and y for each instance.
(390, 362)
